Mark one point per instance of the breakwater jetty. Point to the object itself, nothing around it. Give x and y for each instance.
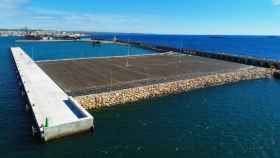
(56, 114)
(112, 81)
(248, 60)
(157, 90)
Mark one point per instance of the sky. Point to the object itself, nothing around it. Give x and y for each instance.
(232, 17)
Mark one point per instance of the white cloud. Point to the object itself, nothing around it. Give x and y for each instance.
(12, 4)
(18, 14)
(12, 8)
(65, 20)
(276, 2)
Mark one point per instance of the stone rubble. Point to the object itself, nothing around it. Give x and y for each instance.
(95, 101)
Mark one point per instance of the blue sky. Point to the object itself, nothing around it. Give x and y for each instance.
(250, 17)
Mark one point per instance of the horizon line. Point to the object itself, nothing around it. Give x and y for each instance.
(144, 33)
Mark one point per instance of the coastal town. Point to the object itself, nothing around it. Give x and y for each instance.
(43, 34)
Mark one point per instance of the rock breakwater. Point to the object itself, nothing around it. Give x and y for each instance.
(94, 101)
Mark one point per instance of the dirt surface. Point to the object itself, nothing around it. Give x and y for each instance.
(88, 76)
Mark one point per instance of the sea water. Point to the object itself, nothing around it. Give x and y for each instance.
(77, 49)
(234, 121)
(255, 46)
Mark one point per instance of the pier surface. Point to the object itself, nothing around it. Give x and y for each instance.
(56, 114)
(91, 76)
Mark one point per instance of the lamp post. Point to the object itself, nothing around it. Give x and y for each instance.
(128, 54)
(111, 80)
(32, 53)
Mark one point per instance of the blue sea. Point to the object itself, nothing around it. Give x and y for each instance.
(255, 46)
(240, 120)
(80, 49)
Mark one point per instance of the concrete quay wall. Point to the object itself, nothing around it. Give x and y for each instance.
(95, 101)
(56, 114)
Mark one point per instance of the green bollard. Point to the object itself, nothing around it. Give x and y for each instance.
(46, 122)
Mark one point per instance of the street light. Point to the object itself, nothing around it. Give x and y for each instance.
(128, 54)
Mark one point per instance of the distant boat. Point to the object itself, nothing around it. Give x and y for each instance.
(32, 37)
(216, 36)
(271, 36)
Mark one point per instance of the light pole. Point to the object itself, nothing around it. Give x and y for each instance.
(181, 51)
(128, 54)
(111, 80)
(32, 53)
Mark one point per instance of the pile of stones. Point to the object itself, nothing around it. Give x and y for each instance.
(156, 90)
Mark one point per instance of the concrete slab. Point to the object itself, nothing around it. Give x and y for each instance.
(48, 101)
(91, 76)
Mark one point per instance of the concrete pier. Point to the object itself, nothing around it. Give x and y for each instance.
(56, 114)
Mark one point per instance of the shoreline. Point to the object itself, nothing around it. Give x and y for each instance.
(108, 99)
(31, 41)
